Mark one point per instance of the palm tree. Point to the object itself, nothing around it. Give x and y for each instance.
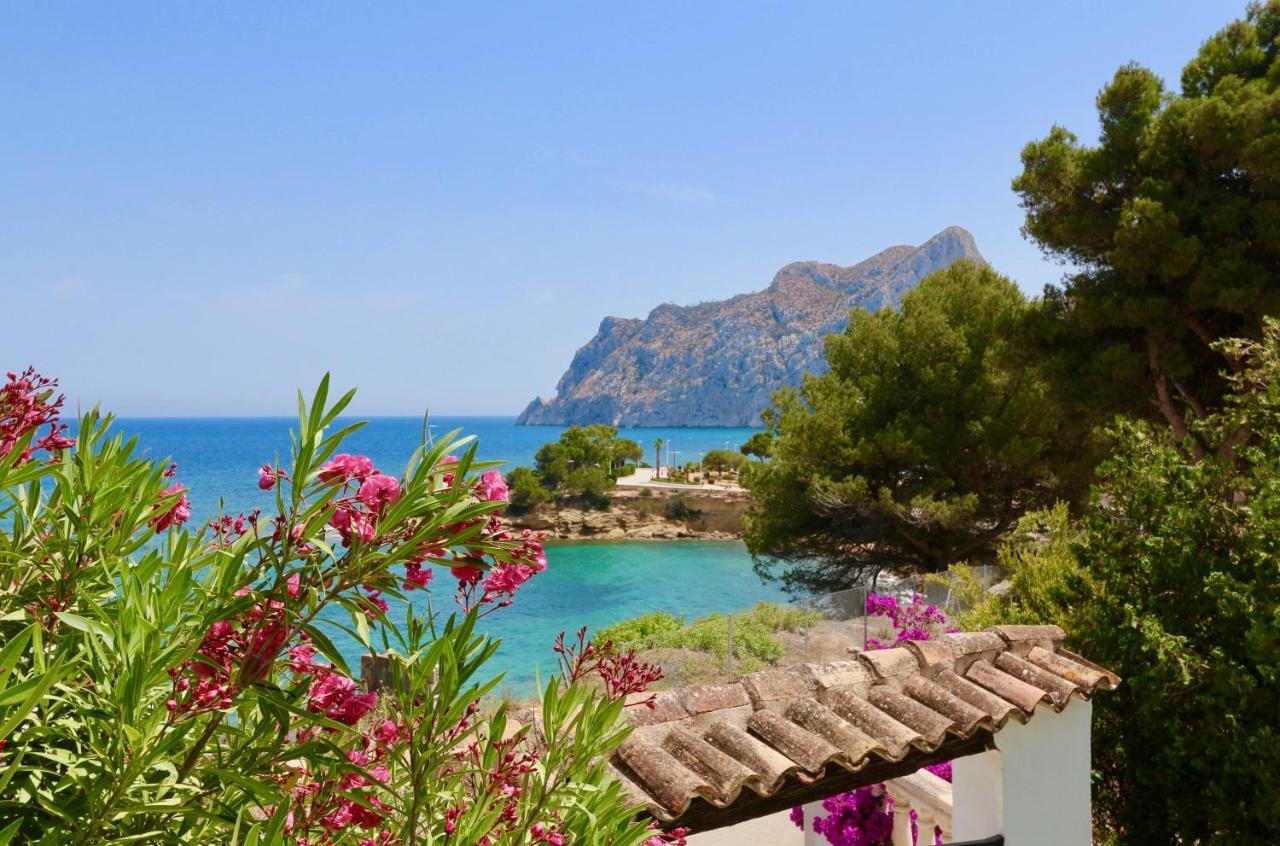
(657, 467)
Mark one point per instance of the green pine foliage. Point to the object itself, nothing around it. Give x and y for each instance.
(1171, 224)
(1171, 578)
(929, 437)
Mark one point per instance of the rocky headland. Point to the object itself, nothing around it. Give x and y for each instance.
(718, 363)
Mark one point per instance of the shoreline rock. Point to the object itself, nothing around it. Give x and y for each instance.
(631, 515)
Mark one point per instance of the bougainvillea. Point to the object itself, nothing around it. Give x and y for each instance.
(864, 817)
(167, 684)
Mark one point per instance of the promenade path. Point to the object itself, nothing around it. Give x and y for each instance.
(643, 478)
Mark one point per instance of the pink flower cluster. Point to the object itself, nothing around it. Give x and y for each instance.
(492, 487)
(268, 475)
(495, 586)
(860, 817)
(227, 529)
(916, 620)
(323, 806)
(27, 403)
(232, 654)
(622, 673)
(331, 694)
(355, 518)
(170, 511)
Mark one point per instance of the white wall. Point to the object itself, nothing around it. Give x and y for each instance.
(773, 830)
(1034, 788)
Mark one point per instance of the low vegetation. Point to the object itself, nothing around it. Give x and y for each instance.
(755, 633)
(583, 465)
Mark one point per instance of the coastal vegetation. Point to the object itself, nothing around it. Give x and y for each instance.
(931, 433)
(582, 464)
(1170, 575)
(160, 684)
(755, 633)
(1114, 445)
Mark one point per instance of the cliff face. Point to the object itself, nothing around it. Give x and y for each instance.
(718, 363)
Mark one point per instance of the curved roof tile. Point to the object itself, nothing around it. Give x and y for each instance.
(770, 733)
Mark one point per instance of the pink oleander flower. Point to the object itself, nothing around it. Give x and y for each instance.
(379, 491)
(267, 476)
(300, 659)
(493, 487)
(467, 574)
(261, 653)
(27, 402)
(343, 467)
(174, 515)
(507, 579)
(338, 698)
(444, 462)
(351, 523)
(415, 576)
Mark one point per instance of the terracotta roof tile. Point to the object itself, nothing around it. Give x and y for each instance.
(807, 749)
(748, 740)
(1010, 688)
(713, 697)
(889, 664)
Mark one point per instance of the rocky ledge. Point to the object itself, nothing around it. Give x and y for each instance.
(632, 516)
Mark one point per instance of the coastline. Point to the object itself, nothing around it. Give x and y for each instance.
(659, 515)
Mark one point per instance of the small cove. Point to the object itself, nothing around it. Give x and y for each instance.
(596, 584)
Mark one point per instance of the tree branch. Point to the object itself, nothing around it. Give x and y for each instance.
(1164, 401)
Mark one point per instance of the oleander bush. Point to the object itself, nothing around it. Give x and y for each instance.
(164, 684)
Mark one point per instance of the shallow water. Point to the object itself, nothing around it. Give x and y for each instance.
(587, 583)
(599, 583)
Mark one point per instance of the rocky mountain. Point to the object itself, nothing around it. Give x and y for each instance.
(718, 363)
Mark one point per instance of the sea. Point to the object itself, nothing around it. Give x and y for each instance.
(589, 583)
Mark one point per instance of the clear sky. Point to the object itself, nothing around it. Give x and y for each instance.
(206, 205)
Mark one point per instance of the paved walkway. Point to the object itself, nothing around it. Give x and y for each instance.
(643, 478)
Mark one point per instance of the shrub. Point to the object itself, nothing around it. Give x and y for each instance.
(755, 640)
(678, 508)
(527, 492)
(164, 685)
(1170, 578)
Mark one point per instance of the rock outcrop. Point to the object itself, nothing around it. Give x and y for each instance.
(718, 363)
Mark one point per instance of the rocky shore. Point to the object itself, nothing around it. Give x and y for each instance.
(633, 515)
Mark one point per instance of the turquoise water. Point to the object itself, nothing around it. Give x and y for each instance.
(590, 583)
(599, 583)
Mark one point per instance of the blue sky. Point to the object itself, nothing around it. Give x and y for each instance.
(204, 206)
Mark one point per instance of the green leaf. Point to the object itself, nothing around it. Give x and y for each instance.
(83, 624)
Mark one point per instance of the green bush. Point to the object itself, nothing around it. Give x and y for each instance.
(1171, 578)
(755, 640)
(678, 508)
(526, 491)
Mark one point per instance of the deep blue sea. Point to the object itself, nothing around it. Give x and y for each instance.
(589, 583)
